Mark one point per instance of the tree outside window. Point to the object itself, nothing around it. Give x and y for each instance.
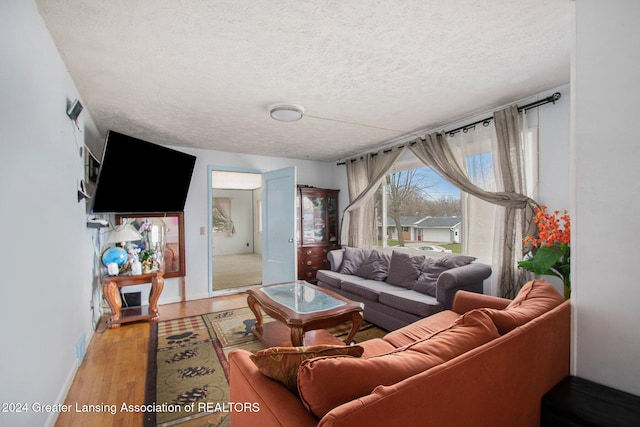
(410, 195)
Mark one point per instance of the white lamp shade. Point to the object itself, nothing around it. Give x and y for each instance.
(124, 233)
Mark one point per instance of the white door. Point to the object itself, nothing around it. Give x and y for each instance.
(279, 258)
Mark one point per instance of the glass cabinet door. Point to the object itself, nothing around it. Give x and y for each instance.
(332, 219)
(314, 219)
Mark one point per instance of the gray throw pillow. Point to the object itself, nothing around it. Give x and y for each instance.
(352, 259)
(404, 269)
(453, 261)
(432, 269)
(376, 267)
(426, 282)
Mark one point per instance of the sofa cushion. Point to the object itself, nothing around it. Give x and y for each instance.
(535, 298)
(352, 259)
(325, 383)
(375, 347)
(331, 278)
(421, 329)
(404, 269)
(410, 301)
(281, 363)
(376, 266)
(366, 288)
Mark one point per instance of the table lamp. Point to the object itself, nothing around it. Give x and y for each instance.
(118, 255)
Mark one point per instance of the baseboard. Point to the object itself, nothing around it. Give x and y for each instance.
(66, 386)
(168, 300)
(199, 296)
(62, 395)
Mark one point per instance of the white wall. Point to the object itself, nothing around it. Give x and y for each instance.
(319, 174)
(46, 250)
(554, 136)
(606, 186)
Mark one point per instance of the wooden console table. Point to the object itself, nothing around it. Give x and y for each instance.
(111, 290)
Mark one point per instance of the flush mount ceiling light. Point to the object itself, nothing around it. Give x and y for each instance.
(286, 112)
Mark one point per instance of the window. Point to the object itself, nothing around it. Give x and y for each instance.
(220, 222)
(417, 201)
(221, 215)
(436, 212)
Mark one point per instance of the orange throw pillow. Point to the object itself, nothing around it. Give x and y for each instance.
(535, 298)
(325, 383)
(281, 363)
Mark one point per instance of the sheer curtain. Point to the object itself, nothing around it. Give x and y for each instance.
(223, 204)
(474, 150)
(359, 225)
(446, 157)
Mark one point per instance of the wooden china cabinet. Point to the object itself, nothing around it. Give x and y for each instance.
(317, 229)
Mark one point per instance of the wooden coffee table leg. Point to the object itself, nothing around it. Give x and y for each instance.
(356, 319)
(255, 308)
(297, 336)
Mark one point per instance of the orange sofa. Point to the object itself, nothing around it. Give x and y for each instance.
(486, 362)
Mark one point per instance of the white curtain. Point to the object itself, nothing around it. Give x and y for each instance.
(359, 226)
(474, 149)
(450, 161)
(223, 204)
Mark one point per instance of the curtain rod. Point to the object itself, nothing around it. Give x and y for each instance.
(485, 122)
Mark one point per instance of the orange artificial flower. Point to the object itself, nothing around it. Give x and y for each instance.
(550, 229)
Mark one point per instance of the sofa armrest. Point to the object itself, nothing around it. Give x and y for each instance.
(465, 301)
(468, 278)
(269, 403)
(335, 259)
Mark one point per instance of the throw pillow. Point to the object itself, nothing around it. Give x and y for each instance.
(453, 261)
(426, 282)
(325, 383)
(432, 268)
(404, 269)
(376, 266)
(352, 259)
(281, 363)
(535, 298)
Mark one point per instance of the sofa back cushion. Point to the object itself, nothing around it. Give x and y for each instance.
(352, 259)
(376, 266)
(535, 298)
(324, 383)
(404, 269)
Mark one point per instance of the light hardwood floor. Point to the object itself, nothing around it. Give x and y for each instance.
(114, 367)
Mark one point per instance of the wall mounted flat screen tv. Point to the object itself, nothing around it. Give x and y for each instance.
(137, 176)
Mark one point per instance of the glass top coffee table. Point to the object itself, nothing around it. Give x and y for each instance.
(301, 311)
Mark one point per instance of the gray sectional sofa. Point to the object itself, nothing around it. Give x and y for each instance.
(402, 287)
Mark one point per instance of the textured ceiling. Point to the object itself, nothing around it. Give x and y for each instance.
(202, 73)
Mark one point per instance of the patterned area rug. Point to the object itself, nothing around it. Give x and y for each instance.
(188, 372)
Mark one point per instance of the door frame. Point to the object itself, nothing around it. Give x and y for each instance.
(210, 170)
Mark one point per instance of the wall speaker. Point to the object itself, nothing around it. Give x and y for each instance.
(74, 110)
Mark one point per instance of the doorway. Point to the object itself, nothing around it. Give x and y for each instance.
(236, 230)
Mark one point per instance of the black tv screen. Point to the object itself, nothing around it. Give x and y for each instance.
(137, 176)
